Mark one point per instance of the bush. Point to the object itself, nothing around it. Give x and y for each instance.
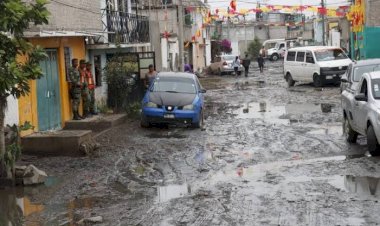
(121, 79)
(254, 48)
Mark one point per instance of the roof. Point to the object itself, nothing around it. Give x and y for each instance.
(366, 62)
(175, 75)
(314, 48)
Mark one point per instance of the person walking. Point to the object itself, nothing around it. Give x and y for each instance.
(150, 76)
(85, 91)
(260, 61)
(263, 52)
(75, 88)
(246, 63)
(91, 88)
(236, 65)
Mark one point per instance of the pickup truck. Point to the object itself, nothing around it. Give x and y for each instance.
(361, 111)
(354, 72)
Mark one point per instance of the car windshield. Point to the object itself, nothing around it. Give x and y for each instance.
(360, 70)
(376, 88)
(174, 85)
(229, 58)
(329, 54)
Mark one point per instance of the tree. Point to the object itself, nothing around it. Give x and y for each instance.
(254, 47)
(16, 17)
(225, 45)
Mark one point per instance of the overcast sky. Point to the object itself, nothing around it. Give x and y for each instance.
(252, 3)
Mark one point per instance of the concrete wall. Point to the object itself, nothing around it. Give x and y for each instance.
(158, 14)
(11, 113)
(372, 13)
(278, 32)
(74, 15)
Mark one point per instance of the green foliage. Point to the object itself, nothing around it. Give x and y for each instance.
(119, 73)
(133, 110)
(13, 150)
(16, 17)
(254, 48)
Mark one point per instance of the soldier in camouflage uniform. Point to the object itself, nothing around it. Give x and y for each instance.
(85, 91)
(75, 88)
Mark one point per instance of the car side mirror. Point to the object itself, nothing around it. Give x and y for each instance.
(361, 97)
(345, 80)
(202, 91)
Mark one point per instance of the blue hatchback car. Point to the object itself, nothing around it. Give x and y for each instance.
(174, 98)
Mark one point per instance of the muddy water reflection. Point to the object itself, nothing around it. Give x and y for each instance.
(361, 185)
(166, 193)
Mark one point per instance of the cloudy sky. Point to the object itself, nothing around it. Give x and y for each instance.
(252, 3)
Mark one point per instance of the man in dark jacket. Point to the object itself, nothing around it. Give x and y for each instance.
(260, 61)
(246, 63)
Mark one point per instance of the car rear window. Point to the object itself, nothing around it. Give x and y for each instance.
(360, 70)
(174, 85)
(291, 56)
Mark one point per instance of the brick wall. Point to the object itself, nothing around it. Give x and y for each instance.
(74, 15)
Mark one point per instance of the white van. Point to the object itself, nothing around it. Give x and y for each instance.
(317, 64)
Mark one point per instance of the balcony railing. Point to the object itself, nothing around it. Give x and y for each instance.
(125, 28)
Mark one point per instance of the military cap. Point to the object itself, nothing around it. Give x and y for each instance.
(88, 63)
(82, 62)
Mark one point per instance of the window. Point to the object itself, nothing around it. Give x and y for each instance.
(174, 85)
(360, 70)
(301, 56)
(68, 56)
(98, 70)
(364, 89)
(291, 56)
(329, 54)
(309, 57)
(376, 88)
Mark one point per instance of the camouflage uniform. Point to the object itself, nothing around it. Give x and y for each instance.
(75, 91)
(85, 91)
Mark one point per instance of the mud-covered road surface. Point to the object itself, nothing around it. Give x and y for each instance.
(268, 155)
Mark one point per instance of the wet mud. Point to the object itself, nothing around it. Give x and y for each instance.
(268, 155)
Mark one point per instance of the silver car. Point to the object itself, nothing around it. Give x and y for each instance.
(223, 65)
(361, 111)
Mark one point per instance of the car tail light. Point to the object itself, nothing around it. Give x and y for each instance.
(224, 63)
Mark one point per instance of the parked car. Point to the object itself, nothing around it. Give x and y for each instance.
(317, 64)
(355, 70)
(223, 65)
(279, 50)
(174, 98)
(361, 111)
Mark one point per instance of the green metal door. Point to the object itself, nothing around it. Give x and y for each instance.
(48, 98)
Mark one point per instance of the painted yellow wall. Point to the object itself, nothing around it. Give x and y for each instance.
(28, 104)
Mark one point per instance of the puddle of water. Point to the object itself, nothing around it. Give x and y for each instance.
(264, 111)
(275, 113)
(167, 135)
(360, 185)
(169, 192)
(17, 204)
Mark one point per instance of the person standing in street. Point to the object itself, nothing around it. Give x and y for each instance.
(150, 76)
(246, 63)
(75, 88)
(262, 52)
(236, 65)
(85, 91)
(260, 61)
(91, 88)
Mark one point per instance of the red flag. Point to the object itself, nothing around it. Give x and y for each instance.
(322, 10)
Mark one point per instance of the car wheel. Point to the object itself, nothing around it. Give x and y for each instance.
(373, 145)
(290, 80)
(317, 80)
(144, 122)
(200, 122)
(349, 133)
(274, 57)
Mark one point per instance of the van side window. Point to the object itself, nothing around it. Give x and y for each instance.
(301, 56)
(309, 57)
(291, 56)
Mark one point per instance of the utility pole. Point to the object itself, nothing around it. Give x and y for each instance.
(323, 23)
(245, 36)
(180, 35)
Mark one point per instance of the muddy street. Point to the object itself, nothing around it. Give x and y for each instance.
(268, 155)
